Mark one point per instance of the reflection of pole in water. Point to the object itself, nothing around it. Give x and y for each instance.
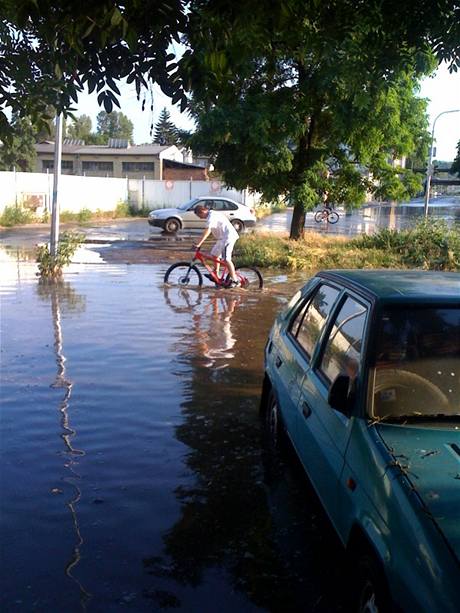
(67, 435)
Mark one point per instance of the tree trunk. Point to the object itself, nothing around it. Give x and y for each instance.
(298, 222)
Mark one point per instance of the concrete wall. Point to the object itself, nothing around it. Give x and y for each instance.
(35, 190)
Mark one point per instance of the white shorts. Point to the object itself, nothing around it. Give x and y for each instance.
(223, 249)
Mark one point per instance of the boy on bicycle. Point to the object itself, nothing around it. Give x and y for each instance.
(219, 226)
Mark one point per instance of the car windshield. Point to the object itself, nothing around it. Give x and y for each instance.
(187, 205)
(417, 370)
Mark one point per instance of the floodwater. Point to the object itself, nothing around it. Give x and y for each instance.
(134, 475)
(372, 218)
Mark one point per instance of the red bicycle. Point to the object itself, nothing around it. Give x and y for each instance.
(188, 274)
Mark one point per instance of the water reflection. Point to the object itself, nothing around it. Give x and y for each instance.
(372, 217)
(225, 525)
(57, 291)
(213, 329)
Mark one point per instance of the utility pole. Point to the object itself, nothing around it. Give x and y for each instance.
(54, 237)
(430, 159)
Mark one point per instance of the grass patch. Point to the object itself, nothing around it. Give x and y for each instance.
(429, 245)
(16, 216)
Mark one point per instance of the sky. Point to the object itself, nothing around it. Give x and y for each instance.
(442, 90)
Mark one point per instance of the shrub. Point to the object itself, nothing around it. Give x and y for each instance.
(51, 267)
(430, 244)
(122, 210)
(15, 216)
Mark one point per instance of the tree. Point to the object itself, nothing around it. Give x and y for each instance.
(19, 151)
(302, 102)
(114, 125)
(455, 168)
(184, 137)
(165, 131)
(51, 50)
(81, 128)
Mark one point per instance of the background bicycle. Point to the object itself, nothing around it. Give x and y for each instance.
(326, 214)
(188, 274)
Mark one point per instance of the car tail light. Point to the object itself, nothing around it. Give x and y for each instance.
(252, 211)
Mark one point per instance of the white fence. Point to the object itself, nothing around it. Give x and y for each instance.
(35, 191)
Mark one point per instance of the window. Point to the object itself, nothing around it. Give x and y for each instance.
(97, 166)
(342, 354)
(223, 205)
(209, 204)
(417, 370)
(65, 165)
(138, 166)
(310, 321)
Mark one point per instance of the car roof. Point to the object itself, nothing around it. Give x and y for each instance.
(216, 198)
(400, 285)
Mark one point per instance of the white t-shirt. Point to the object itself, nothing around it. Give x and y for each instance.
(220, 227)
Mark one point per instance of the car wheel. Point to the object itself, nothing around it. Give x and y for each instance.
(172, 225)
(372, 593)
(272, 420)
(238, 225)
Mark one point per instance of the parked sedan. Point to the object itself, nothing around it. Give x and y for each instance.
(183, 217)
(362, 371)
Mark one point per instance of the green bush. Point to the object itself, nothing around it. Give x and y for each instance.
(122, 210)
(430, 244)
(15, 216)
(51, 267)
(84, 215)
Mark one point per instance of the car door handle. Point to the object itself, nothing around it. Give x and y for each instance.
(306, 411)
(278, 361)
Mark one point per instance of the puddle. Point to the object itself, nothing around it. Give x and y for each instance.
(133, 471)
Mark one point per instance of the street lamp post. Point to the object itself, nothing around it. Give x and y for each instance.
(430, 159)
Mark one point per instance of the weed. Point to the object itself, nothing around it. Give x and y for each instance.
(51, 267)
(429, 245)
(15, 216)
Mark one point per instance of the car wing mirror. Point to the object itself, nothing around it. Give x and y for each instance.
(340, 396)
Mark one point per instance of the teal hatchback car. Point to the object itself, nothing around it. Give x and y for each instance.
(362, 371)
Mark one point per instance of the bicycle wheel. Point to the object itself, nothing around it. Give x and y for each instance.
(249, 277)
(184, 275)
(333, 217)
(320, 216)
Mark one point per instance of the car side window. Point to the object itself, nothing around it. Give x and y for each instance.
(223, 205)
(311, 319)
(342, 353)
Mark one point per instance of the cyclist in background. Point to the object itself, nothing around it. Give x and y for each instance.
(219, 226)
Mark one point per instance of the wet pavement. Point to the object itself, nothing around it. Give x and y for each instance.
(369, 219)
(365, 220)
(135, 476)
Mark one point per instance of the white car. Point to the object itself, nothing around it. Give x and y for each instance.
(183, 217)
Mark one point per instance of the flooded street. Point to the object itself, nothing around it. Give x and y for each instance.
(134, 475)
